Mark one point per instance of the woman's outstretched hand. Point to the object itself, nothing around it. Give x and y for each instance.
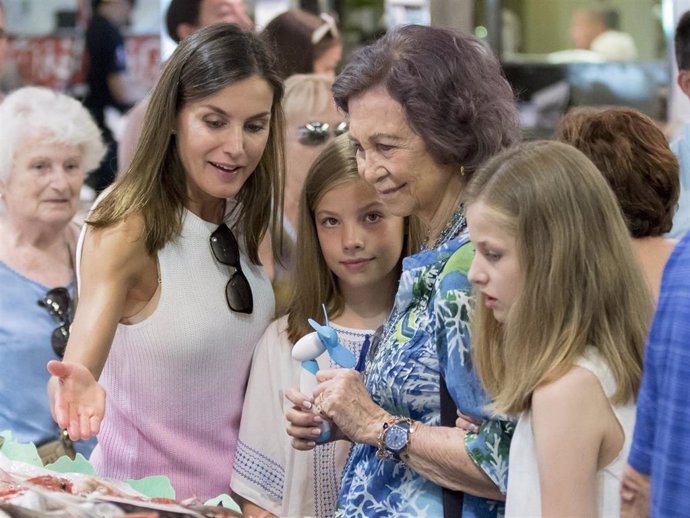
(77, 401)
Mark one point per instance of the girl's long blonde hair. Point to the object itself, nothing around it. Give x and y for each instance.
(154, 186)
(581, 283)
(313, 283)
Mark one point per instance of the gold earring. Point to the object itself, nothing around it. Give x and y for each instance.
(462, 170)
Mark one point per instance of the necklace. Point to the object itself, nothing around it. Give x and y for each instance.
(453, 227)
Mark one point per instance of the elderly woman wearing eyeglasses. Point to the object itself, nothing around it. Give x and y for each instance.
(48, 142)
(426, 107)
(304, 43)
(173, 298)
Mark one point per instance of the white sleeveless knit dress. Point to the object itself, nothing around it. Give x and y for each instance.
(175, 382)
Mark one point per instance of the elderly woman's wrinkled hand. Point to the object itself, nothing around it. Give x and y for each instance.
(343, 399)
(77, 400)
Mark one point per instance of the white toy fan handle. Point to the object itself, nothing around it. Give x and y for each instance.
(307, 385)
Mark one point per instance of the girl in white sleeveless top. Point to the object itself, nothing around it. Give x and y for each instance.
(173, 296)
(559, 327)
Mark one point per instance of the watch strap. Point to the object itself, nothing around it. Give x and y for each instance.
(383, 452)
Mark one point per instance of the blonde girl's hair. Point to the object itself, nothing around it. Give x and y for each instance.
(154, 186)
(307, 93)
(313, 282)
(581, 285)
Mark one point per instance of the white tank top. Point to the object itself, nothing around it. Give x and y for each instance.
(524, 496)
(175, 382)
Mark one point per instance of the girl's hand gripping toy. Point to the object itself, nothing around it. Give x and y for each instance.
(310, 347)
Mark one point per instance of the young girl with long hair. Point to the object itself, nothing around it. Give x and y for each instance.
(348, 257)
(562, 311)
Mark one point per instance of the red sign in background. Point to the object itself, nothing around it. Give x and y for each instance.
(57, 61)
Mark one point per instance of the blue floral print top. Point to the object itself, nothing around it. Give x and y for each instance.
(427, 333)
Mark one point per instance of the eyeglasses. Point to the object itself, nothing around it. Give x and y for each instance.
(238, 293)
(59, 304)
(317, 133)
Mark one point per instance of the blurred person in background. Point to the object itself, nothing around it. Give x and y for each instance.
(633, 154)
(681, 145)
(9, 72)
(655, 481)
(589, 31)
(594, 40)
(3, 43)
(48, 142)
(304, 43)
(312, 120)
(105, 77)
(182, 18)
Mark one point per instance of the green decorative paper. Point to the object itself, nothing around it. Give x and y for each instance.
(14, 450)
(66, 465)
(153, 487)
(224, 501)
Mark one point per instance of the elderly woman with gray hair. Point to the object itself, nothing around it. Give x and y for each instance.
(48, 142)
(426, 108)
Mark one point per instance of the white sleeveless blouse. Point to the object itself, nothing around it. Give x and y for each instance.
(524, 496)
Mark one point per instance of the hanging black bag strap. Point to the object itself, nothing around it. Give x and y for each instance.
(452, 500)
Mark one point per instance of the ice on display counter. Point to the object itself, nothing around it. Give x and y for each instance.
(70, 488)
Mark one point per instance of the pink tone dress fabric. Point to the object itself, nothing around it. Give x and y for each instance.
(175, 382)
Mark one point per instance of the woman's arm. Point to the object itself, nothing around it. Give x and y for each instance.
(114, 260)
(438, 453)
(569, 419)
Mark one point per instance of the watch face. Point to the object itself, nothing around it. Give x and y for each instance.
(396, 438)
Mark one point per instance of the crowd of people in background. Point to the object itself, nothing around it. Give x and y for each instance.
(517, 311)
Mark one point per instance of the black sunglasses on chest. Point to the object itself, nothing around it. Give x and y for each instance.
(58, 303)
(238, 293)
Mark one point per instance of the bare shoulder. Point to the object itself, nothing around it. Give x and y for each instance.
(573, 385)
(577, 397)
(130, 232)
(119, 249)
